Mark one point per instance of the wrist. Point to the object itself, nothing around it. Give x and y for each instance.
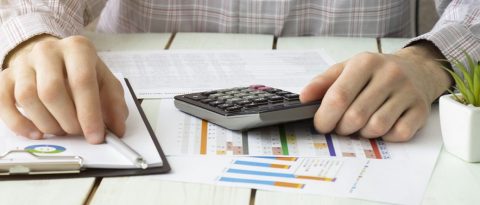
(24, 48)
(425, 55)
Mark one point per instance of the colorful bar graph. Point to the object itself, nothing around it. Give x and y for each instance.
(261, 164)
(376, 151)
(275, 174)
(262, 182)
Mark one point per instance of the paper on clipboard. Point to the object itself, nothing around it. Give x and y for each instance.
(104, 156)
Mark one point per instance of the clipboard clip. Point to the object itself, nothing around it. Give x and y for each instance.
(29, 163)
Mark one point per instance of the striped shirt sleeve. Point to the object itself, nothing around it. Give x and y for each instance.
(23, 19)
(457, 30)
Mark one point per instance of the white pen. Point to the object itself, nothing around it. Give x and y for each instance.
(126, 150)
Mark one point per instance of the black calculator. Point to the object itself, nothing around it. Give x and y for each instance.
(243, 108)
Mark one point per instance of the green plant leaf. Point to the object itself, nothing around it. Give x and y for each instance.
(465, 72)
(460, 85)
(469, 85)
(476, 84)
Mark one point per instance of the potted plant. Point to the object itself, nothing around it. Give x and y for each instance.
(460, 112)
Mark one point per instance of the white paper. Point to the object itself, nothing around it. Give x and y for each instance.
(399, 180)
(94, 156)
(164, 74)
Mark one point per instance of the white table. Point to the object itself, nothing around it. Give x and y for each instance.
(453, 181)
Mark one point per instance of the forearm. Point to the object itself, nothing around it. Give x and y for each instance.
(23, 20)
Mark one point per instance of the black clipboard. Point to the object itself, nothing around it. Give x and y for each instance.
(100, 172)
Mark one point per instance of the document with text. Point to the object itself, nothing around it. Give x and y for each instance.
(164, 74)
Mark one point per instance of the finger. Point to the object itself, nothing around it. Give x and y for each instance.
(385, 117)
(27, 97)
(340, 95)
(80, 62)
(115, 110)
(316, 89)
(52, 91)
(408, 124)
(9, 113)
(367, 102)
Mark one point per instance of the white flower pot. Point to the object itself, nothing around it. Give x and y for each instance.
(460, 126)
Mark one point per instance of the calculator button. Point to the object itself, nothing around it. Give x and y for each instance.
(264, 88)
(215, 96)
(207, 100)
(265, 95)
(234, 100)
(240, 95)
(216, 102)
(195, 97)
(283, 93)
(256, 86)
(232, 92)
(275, 98)
(224, 97)
(250, 97)
(224, 105)
(260, 101)
(256, 92)
(243, 102)
(234, 108)
(272, 90)
(291, 96)
(251, 105)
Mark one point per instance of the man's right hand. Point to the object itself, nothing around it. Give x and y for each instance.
(63, 88)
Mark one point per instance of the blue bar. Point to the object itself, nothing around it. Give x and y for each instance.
(257, 164)
(259, 173)
(328, 137)
(248, 181)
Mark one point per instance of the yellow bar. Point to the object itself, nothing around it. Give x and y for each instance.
(289, 185)
(315, 178)
(203, 139)
(280, 166)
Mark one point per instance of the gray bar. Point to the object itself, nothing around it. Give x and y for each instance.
(245, 142)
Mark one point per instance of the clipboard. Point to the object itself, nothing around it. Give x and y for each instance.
(53, 167)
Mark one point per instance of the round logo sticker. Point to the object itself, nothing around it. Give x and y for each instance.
(45, 149)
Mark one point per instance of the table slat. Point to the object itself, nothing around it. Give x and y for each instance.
(46, 192)
(208, 41)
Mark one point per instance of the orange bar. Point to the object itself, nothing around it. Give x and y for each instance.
(203, 139)
(289, 185)
(373, 142)
(315, 178)
(286, 158)
(280, 166)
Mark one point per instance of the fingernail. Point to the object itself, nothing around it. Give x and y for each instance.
(97, 138)
(36, 135)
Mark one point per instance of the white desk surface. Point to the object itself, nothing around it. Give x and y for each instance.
(453, 181)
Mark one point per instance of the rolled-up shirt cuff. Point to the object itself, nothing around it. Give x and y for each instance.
(453, 40)
(21, 28)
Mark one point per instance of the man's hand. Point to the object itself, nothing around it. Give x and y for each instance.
(377, 95)
(63, 88)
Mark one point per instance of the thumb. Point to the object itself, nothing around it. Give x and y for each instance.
(317, 88)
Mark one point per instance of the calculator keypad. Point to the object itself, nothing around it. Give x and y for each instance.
(243, 100)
